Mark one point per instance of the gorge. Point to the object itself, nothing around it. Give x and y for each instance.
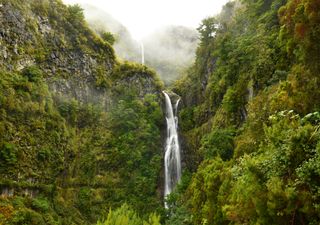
(89, 138)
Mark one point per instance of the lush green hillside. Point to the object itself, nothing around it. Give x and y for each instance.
(79, 131)
(251, 119)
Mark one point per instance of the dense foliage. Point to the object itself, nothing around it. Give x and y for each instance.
(70, 161)
(65, 159)
(250, 120)
(126, 216)
(80, 132)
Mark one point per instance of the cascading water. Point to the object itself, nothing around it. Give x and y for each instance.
(142, 53)
(172, 159)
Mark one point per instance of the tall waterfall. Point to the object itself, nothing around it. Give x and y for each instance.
(172, 159)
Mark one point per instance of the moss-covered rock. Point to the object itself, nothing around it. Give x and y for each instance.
(79, 131)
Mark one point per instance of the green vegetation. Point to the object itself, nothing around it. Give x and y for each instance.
(75, 157)
(64, 158)
(108, 37)
(126, 216)
(80, 132)
(251, 118)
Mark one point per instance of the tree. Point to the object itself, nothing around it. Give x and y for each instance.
(108, 37)
(125, 215)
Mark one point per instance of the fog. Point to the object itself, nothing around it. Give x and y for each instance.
(168, 50)
(171, 50)
(142, 17)
(100, 21)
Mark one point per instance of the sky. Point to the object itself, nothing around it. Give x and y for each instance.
(142, 17)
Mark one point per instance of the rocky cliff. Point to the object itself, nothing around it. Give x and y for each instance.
(73, 120)
(75, 61)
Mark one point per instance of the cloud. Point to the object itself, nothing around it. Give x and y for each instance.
(142, 17)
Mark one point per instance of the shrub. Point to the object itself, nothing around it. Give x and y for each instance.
(33, 73)
(8, 153)
(108, 37)
(40, 204)
(218, 143)
(127, 216)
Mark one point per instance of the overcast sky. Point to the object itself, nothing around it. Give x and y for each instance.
(142, 17)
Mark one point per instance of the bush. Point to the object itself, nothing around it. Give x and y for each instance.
(27, 216)
(40, 204)
(8, 153)
(84, 200)
(127, 216)
(76, 14)
(218, 143)
(33, 73)
(108, 37)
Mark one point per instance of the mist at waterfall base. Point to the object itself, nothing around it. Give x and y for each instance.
(172, 158)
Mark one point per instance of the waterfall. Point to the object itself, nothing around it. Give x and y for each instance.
(142, 53)
(172, 159)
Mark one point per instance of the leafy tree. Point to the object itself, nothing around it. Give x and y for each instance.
(218, 143)
(108, 37)
(126, 216)
(76, 13)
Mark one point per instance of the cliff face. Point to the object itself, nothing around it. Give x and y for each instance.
(75, 61)
(47, 34)
(74, 122)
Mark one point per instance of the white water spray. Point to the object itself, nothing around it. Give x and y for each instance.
(172, 159)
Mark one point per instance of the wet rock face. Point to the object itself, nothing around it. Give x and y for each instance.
(142, 82)
(44, 25)
(70, 65)
(27, 39)
(13, 33)
(84, 92)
